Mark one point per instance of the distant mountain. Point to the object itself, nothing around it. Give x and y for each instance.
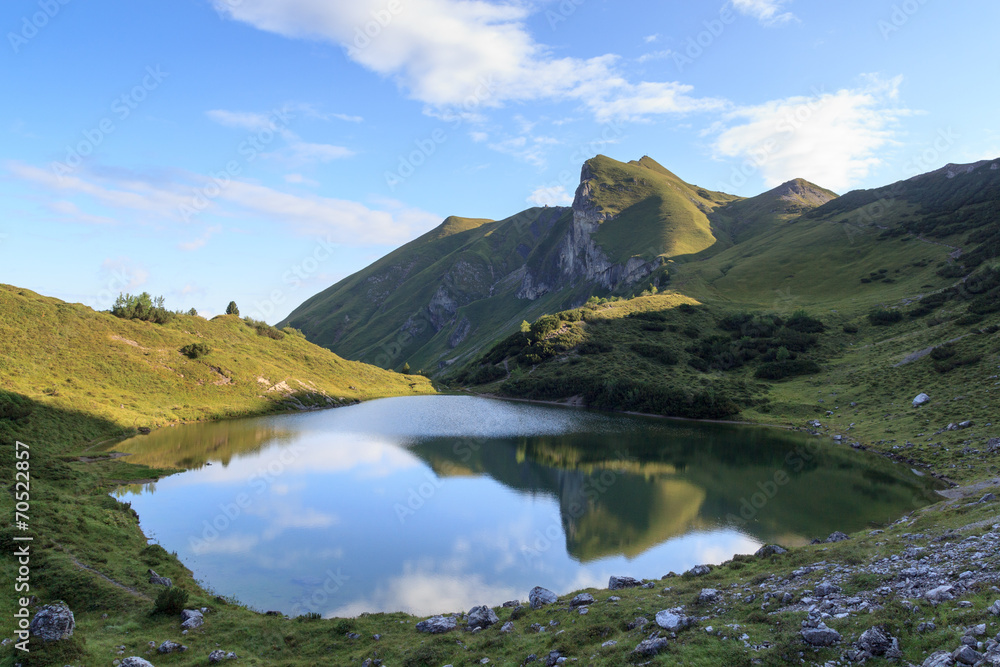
(446, 297)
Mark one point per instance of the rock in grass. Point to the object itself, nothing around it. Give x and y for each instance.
(581, 599)
(672, 619)
(157, 580)
(618, 583)
(135, 661)
(538, 597)
(995, 608)
(482, 617)
(940, 594)
(966, 655)
(707, 595)
(216, 657)
(507, 627)
(650, 647)
(698, 571)
(920, 399)
(825, 588)
(437, 625)
(938, 659)
(53, 622)
(191, 619)
(837, 536)
(820, 635)
(877, 642)
(171, 647)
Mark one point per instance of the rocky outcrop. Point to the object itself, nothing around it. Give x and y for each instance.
(437, 625)
(538, 597)
(53, 622)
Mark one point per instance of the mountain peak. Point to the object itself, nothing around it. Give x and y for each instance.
(801, 191)
(952, 170)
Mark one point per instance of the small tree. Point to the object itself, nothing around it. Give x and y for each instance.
(193, 312)
(406, 368)
(525, 326)
(231, 309)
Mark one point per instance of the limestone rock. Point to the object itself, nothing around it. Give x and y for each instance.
(820, 636)
(437, 625)
(135, 661)
(191, 619)
(482, 617)
(618, 583)
(920, 399)
(698, 571)
(171, 647)
(770, 550)
(538, 597)
(672, 619)
(650, 647)
(157, 580)
(53, 622)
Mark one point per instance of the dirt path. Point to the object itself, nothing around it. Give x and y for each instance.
(83, 566)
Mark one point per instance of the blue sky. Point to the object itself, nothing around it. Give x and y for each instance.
(260, 150)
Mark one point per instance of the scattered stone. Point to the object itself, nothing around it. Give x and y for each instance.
(825, 588)
(581, 599)
(53, 622)
(191, 619)
(157, 580)
(437, 625)
(650, 647)
(539, 597)
(995, 608)
(482, 617)
(135, 661)
(877, 642)
(920, 399)
(584, 611)
(618, 583)
(707, 595)
(672, 619)
(609, 643)
(171, 647)
(639, 622)
(940, 594)
(698, 571)
(938, 659)
(966, 655)
(507, 627)
(988, 498)
(218, 656)
(929, 626)
(770, 550)
(820, 635)
(552, 659)
(837, 536)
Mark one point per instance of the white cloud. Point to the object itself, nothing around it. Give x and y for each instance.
(245, 120)
(201, 240)
(552, 195)
(649, 39)
(344, 221)
(297, 150)
(832, 139)
(531, 149)
(346, 118)
(70, 211)
(654, 55)
(299, 179)
(460, 56)
(768, 12)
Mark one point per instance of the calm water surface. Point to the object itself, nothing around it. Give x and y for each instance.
(439, 503)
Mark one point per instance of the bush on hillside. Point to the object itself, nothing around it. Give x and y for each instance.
(779, 370)
(142, 307)
(170, 601)
(652, 351)
(882, 317)
(195, 350)
(263, 328)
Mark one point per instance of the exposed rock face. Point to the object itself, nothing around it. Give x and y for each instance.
(538, 597)
(482, 617)
(437, 625)
(53, 622)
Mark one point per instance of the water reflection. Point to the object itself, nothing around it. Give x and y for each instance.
(430, 504)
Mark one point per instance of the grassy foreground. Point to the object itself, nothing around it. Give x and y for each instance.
(90, 552)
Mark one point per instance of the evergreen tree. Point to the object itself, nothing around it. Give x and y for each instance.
(231, 309)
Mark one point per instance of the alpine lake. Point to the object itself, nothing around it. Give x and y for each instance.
(436, 504)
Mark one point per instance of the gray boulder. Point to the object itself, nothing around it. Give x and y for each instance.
(618, 583)
(707, 595)
(538, 597)
(673, 620)
(482, 617)
(940, 594)
(877, 642)
(995, 608)
(507, 627)
(157, 580)
(966, 655)
(820, 635)
(218, 656)
(938, 659)
(825, 588)
(698, 571)
(920, 399)
(53, 622)
(582, 599)
(437, 625)
(650, 647)
(171, 647)
(191, 619)
(135, 661)
(837, 536)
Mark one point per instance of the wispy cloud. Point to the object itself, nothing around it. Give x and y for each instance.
(551, 195)
(768, 12)
(296, 150)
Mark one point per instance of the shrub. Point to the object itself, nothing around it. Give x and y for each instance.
(231, 309)
(142, 307)
(263, 328)
(195, 350)
(170, 601)
(850, 328)
(800, 321)
(779, 370)
(594, 347)
(882, 317)
(658, 352)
